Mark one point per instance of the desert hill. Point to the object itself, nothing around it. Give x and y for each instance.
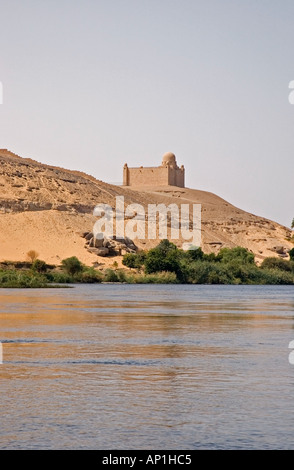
(46, 208)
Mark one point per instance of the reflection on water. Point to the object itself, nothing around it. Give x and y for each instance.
(137, 367)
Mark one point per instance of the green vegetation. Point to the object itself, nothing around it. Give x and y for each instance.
(110, 276)
(229, 266)
(18, 278)
(39, 274)
(165, 257)
(278, 263)
(39, 266)
(72, 265)
(164, 264)
(161, 277)
(132, 260)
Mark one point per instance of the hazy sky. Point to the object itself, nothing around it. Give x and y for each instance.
(92, 84)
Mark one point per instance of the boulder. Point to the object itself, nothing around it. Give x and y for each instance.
(120, 246)
(113, 251)
(102, 251)
(92, 250)
(280, 250)
(112, 246)
(98, 242)
(88, 236)
(132, 247)
(128, 241)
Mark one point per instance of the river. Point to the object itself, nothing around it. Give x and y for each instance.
(147, 367)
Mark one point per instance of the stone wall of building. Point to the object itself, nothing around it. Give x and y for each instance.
(176, 177)
(147, 176)
(168, 174)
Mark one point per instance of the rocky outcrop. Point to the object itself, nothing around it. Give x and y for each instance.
(282, 251)
(104, 246)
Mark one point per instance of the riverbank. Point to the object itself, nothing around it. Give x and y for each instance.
(165, 264)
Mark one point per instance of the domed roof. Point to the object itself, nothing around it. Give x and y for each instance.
(169, 157)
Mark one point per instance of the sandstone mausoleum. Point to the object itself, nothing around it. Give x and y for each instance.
(167, 174)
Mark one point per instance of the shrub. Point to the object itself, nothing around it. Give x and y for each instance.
(277, 263)
(20, 279)
(88, 276)
(194, 255)
(210, 257)
(39, 266)
(72, 265)
(59, 277)
(276, 276)
(129, 260)
(32, 255)
(122, 276)
(205, 272)
(291, 254)
(110, 276)
(162, 277)
(242, 255)
(165, 257)
(134, 260)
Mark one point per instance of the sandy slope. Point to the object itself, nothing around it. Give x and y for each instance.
(46, 208)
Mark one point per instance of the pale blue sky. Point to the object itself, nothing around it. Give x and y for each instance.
(92, 84)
